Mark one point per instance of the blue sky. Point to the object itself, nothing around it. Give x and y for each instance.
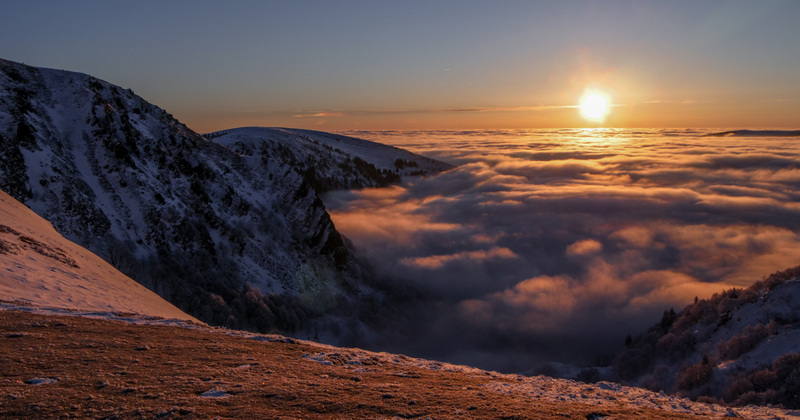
(427, 64)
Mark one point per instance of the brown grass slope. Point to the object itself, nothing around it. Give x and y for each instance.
(113, 369)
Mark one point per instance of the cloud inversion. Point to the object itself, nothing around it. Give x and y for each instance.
(554, 244)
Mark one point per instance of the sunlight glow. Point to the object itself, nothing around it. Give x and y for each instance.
(595, 106)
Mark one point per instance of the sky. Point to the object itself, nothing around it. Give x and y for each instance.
(349, 65)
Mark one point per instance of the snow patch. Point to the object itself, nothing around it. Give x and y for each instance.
(41, 381)
(215, 393)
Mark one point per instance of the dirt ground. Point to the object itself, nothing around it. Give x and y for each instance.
(77, 367)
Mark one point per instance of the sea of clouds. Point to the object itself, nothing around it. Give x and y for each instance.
(553, 245)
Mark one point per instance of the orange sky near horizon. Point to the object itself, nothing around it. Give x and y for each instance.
(656, 114)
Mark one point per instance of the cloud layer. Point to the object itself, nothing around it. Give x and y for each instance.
(553, 245)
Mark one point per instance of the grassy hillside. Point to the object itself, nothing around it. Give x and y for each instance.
(70, 366)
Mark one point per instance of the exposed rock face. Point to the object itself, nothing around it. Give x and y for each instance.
(234, 238)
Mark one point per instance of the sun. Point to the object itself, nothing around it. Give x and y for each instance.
(595, 106)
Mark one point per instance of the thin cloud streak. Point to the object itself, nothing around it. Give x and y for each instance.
(320, 115)
(400, 111)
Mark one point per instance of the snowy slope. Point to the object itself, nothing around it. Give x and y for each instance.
(40, 267)
(237, 239)
(330, 161)
(741, 346)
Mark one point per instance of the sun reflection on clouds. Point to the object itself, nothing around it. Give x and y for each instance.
(546, 239)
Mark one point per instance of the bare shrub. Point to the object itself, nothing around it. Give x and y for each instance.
(735, 389)
(777, 384)
(740, 344)
(763, 379)
(651, 382)
(589, 375)
(695, 375)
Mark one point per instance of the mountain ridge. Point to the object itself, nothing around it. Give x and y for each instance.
(238, 240)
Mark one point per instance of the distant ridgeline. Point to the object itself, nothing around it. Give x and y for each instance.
(328, 161)
(741, 346)
(231, 231)
(756, 133)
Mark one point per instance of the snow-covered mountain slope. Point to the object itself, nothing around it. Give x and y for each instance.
(238, 240)
(329, 161)
(741, 346)
(40, 267)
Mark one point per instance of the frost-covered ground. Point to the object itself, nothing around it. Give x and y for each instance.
(311, 379)
(40, 267)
